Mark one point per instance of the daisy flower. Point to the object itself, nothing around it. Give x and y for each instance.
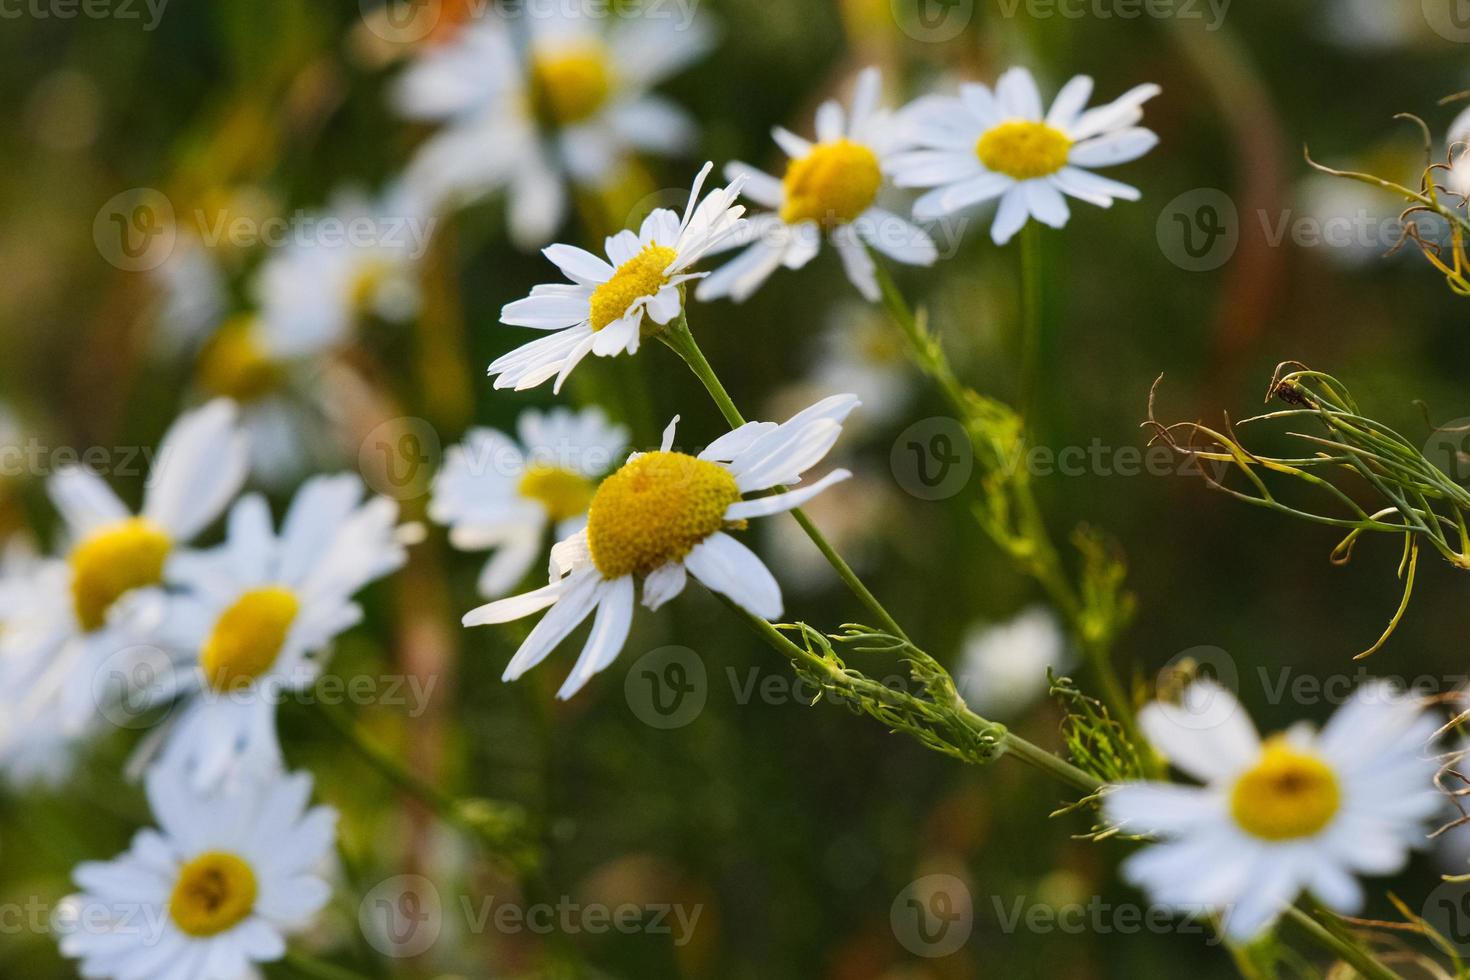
(662, 516)
(257, 614)
(214, 891)
(1302, 810)
(495, 493)
(106, 593)
(588, 77)
(1003, 665)
(983, 145)
(602, 310)
(832, 187)
(37, 750)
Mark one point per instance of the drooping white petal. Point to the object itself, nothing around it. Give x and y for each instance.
(728, 567)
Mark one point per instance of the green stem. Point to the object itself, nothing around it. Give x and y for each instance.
(1349, 951)
(1031, 317)
(680, 339)
(310, 966)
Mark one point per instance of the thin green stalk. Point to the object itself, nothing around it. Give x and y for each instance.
(680, 339)
(1349, 951)
(1032, 274)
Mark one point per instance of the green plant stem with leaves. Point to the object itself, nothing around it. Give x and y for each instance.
(1098, 608)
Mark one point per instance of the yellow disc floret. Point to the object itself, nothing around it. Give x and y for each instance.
(113, 561)
(235, 364)
(1289, 793)
(215, 892)
(564, 493)
(1024, 149)
(831, 185)
(655, 510)
(642, 275)
(248, 637)
(573, 83)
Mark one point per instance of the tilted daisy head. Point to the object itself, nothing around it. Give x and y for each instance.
(831, 186)
(662, 516)
(1299, 811)
(495, 492)
(988, 144)
(254, 618)
(216, 889)
(610, 305)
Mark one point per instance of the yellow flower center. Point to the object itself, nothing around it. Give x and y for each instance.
(564, 493)
(248, 637)
(215, 892)
(573, 83)
(1024, 149)
(655, 510)
(235, 364)
(365, 283)
(642, 275)
(831, 185)
(1288, 794)
(113, 561)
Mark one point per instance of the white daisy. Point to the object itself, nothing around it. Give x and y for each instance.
(194, 294)
(591, 77)
(493, 493)
(213, 892)
(37, 751)
(662, 516)
(601, 311)
(106, 595)
(257, 614)
(1299, 811)
(1003, 665)
(830, 186)
(982, 145)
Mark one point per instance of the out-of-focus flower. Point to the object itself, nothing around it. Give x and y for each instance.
(832, 187)
(662, 516)
(257, 615)
(601, 311)
(495, 493)
(216, 890)
(194, 294)
(984, 145)
(861, 352)
(585, 79)
(852, 515)
(1299, 811)
(1003, 665)
(106, 596)
(34, 748)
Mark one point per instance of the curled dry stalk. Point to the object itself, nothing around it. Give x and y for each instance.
(1419, 501)
(1450, 259)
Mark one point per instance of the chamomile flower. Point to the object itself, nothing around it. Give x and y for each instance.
(1302, 810)
(830, 187)
(1003, 665)
(663, 516)
(496, 493)
(987, 144)
(108, 591)
(257, 615)
(213, 892)
(589, 80)
(36, 750)
(603, 309)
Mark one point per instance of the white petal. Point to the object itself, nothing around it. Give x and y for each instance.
(1017, 94)
(781, 502)
(201, 465)
(579, 265)
(1207, 734)
(609, 633)
(1010, 216)
(726, 566)
(663, 584)
(583, 589)
(1046, 203)
(1069, 103)
(1113, 148)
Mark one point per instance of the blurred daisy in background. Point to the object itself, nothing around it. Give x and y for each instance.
(106, 596)
(495, 493)
(33, 749)
(830, 187)
(1457, 149)
(216, 890)
(858, 351)
(1002, 668)
(584, 79)
(859, 517)
(257, 615)
(602, 309)
(661, 517)
(193, 294)
(983, 145)
(1299, 811)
